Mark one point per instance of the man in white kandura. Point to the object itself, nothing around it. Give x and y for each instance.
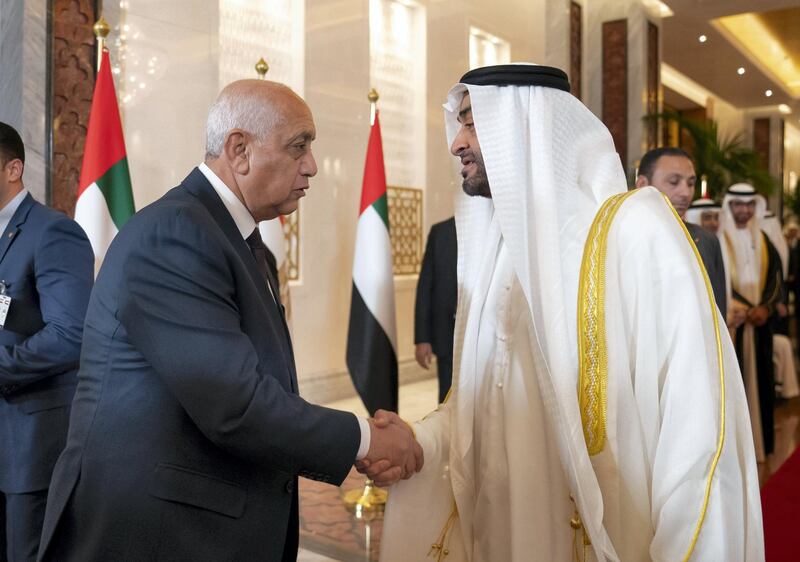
(596, 412)
(756, 281)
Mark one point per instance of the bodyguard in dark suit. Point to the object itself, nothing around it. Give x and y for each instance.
(435, 310)
(46, 268)
(187, 433)
(671, 171)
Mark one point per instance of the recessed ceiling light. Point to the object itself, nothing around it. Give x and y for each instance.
(740, 71)
(702, 38)
(768, 93)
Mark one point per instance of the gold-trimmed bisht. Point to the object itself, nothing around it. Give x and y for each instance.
(593, 358)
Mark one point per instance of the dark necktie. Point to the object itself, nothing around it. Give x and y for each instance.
(260, 251)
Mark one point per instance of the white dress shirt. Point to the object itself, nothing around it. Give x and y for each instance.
(245, 223)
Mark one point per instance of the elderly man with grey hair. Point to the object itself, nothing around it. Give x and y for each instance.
(187, 432)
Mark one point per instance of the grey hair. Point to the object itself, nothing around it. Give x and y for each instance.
(238, 109)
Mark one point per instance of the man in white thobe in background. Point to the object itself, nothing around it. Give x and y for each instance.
(756, 280)
(596, 412)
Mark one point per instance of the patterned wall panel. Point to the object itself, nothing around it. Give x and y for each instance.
(575, 48)
(653, 74)
(405, 224)
(761, 140)
(615, 84)
(273, 29)
(72, 71)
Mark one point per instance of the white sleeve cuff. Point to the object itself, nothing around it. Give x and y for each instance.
(366, 435)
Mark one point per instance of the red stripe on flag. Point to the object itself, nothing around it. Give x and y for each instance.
(105, 145)
(374, 185)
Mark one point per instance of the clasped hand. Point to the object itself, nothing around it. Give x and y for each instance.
(394, 453)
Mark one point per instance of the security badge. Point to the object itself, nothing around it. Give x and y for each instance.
(5, 304)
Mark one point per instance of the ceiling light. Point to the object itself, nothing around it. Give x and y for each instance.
(740, 70)
(768, 93)
(702, 38)
(785, 109)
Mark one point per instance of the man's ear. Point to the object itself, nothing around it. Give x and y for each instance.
(14, 170)
(235, 150)
(642, 181)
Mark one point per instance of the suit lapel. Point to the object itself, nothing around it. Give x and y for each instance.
(197, 184)
(15, 225)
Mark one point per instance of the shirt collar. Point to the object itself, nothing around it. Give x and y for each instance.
(239, 213)
(11, 207)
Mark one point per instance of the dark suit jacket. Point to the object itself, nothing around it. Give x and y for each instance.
(437, 291)
(709, 248)
(187, 433)
(46, 262)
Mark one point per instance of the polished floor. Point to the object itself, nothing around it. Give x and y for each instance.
(329, 533)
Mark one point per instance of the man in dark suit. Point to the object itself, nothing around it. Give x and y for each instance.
(435, 310)
(46, 269)
(671, 171)
(187, 433)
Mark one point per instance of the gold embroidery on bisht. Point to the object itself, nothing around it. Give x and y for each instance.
(592, 350)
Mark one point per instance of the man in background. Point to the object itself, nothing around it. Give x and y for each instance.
(46, 270)
(671, 171)
(435, 310)
(756, 282)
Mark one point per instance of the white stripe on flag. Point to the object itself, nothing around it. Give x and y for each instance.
(372, 271)
(272, 234)
(91, 212)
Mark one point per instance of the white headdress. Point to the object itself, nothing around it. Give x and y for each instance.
(698, 207)
(551, 164)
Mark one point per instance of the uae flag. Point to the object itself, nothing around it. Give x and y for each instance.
(372, 335)
(105, 199)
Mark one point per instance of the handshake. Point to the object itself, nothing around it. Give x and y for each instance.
(394, 453)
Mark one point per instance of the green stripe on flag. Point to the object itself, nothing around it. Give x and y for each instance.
(381, 206)
(115, 185)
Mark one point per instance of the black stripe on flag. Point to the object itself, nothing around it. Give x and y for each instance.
(371, 359)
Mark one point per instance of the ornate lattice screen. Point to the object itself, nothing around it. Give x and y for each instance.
(291, 229)
(405, 222)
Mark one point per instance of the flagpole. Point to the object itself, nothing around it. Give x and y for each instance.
(101, 31)
(366, 502)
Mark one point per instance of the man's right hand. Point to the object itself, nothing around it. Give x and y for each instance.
(424, 354)
(393, 453)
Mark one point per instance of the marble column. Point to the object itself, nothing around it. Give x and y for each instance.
(23, 87)
(596, 13)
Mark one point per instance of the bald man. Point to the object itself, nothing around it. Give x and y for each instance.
(187, 433)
